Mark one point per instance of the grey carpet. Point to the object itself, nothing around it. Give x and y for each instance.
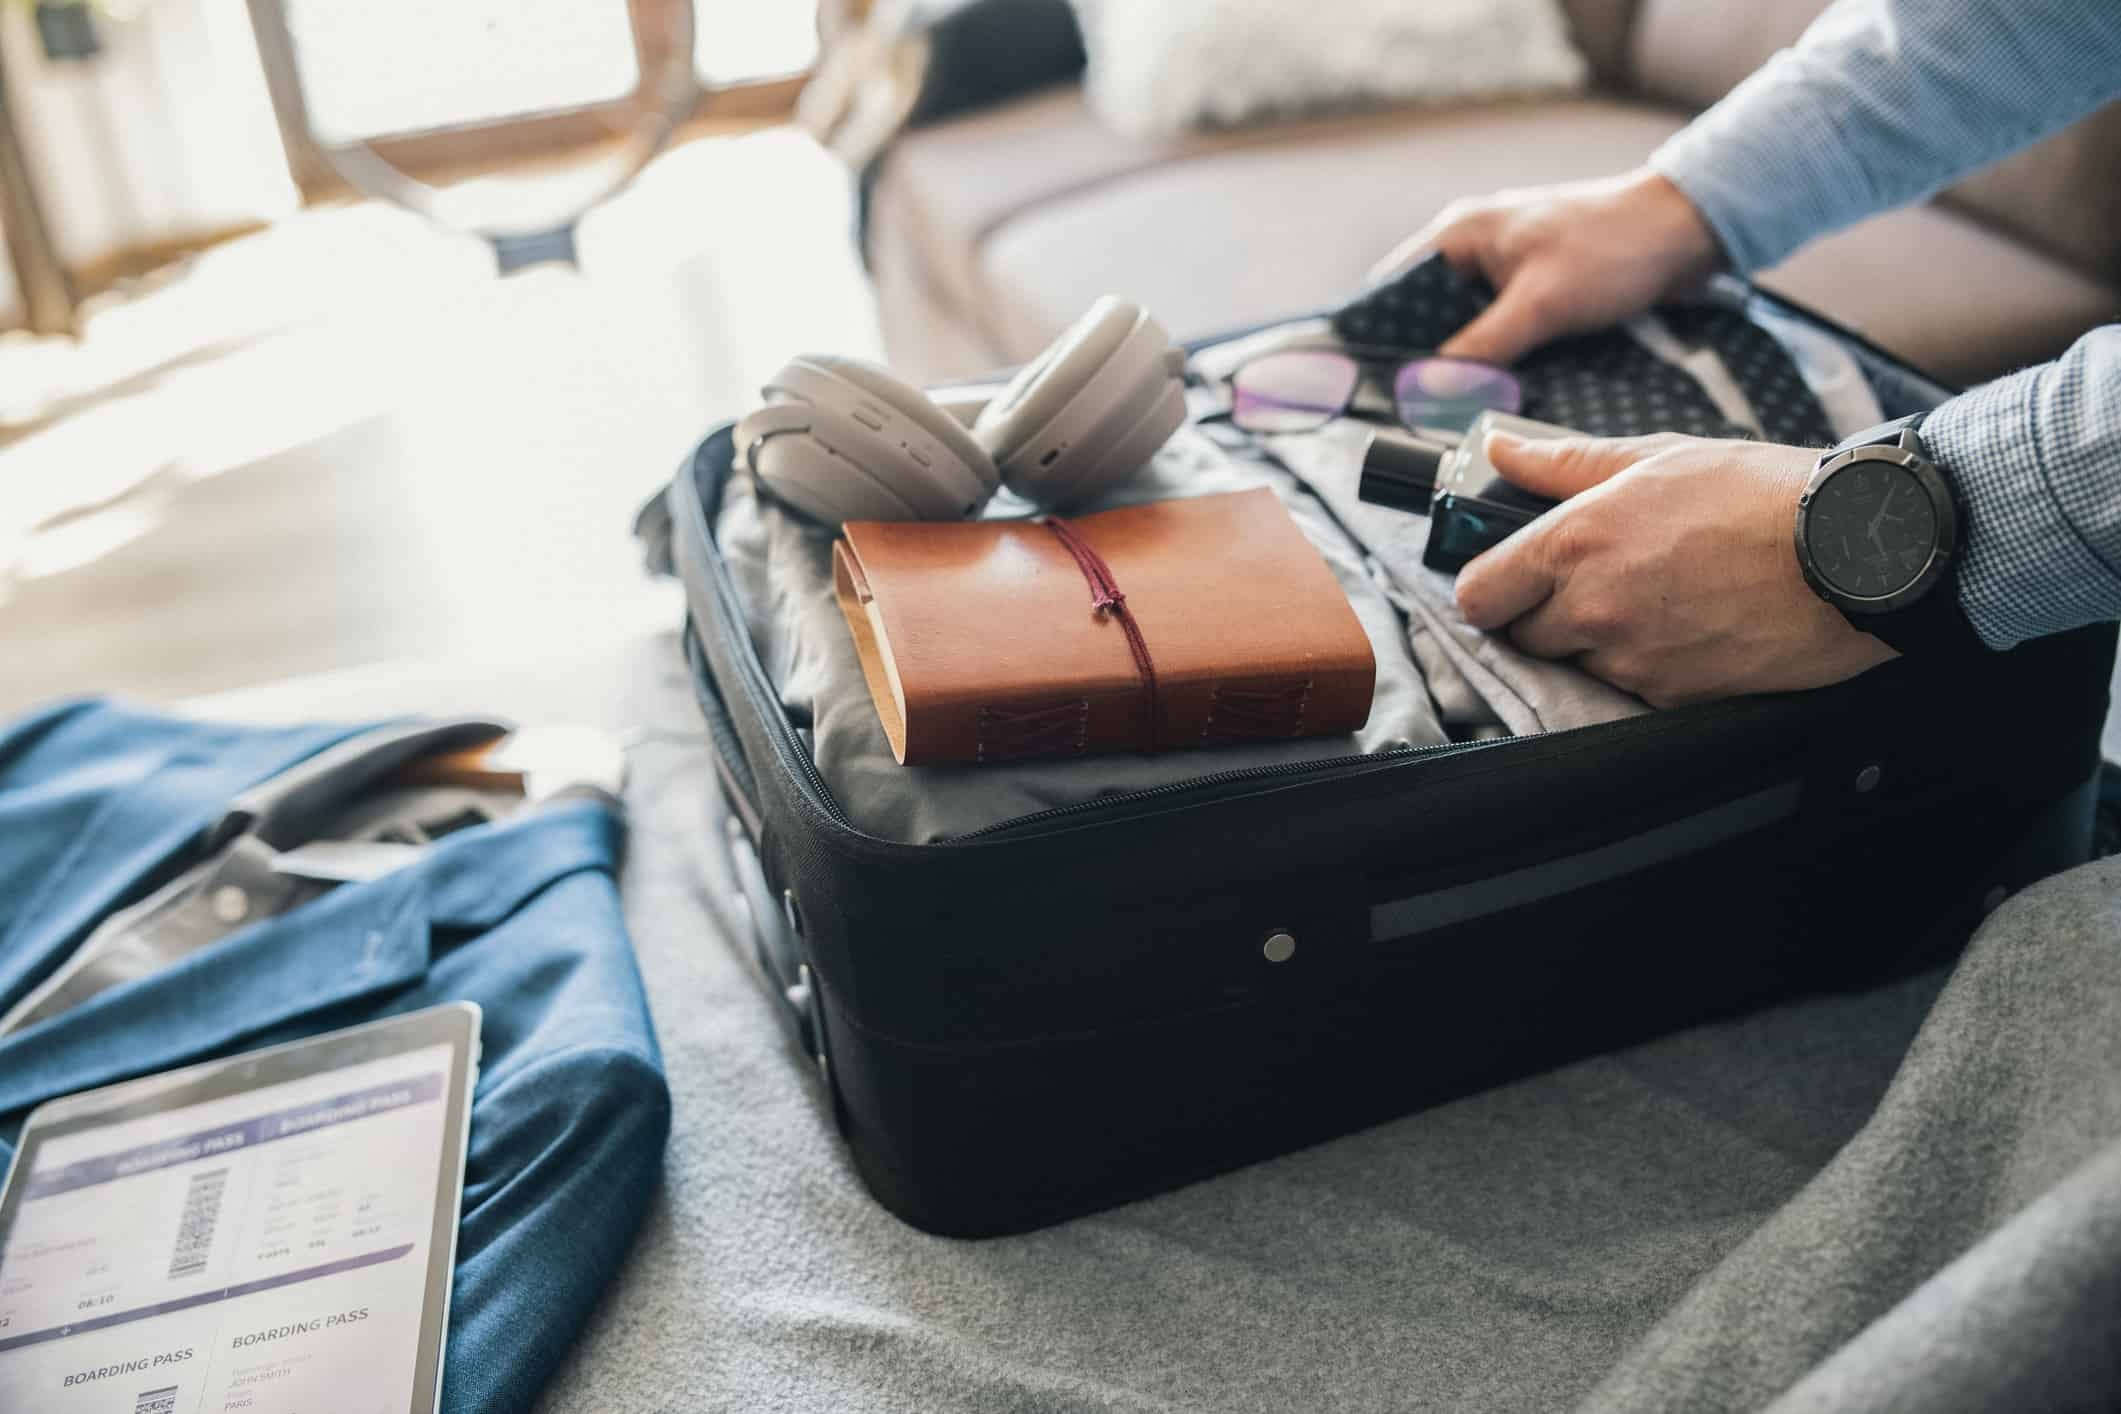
(1774, 1208)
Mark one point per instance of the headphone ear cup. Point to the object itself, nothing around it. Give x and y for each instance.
(1090, 411)
(1132, 446)
(839, 439)
(804, 474)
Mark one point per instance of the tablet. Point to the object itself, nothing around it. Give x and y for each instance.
(270, 1233)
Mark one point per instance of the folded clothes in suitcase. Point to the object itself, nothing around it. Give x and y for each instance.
(1177, 971)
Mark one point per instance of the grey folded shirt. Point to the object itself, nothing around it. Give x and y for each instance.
(1482, 679)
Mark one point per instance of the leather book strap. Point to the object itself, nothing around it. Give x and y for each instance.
(1106, 598)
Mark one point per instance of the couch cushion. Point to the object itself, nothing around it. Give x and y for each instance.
(1601, 29)
(1248, 233)
(941, 189)
(1239, 236)
(1692, 52)
(984, 255)
(1946, 292)
(2063, 195)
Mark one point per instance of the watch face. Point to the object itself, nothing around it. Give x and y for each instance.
(1871, 530)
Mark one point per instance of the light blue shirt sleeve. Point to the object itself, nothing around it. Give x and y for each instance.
(2037, 460)
(1881, 103)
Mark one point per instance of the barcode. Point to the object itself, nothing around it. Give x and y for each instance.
(195, 1229)
(157, 1401)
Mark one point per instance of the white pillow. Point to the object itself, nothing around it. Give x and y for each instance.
(1160, 66)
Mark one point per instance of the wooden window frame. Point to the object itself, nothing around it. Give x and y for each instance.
(443, 153)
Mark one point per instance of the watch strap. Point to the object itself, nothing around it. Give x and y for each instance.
(1900, 432)
(1933, 627)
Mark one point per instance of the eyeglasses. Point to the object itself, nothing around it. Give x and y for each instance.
(1300, 390)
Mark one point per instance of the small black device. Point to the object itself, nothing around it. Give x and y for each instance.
(1878, 531)
(1471, 506)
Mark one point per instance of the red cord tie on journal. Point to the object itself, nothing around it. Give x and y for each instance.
(1107, 598)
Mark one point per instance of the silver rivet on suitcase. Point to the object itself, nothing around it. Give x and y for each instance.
(1279, 947)
(1867, 779)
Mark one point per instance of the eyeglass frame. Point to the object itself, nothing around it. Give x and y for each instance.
(1382, 403)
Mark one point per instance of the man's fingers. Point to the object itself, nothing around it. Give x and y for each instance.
(1626, 672)
(1560, 467)
(1510, 580)
(1519, 321)
(1553, 629)
(1454, 233)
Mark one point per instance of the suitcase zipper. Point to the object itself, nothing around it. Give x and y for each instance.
(766, 702)
(792, 750)
(1340, 766)
(767, 705)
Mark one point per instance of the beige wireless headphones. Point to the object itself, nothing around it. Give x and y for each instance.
(839, 439)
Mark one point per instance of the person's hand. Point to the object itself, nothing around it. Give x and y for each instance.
(1564, 259)
(1669, 570)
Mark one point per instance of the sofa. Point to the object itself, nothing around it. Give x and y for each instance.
(990, 229)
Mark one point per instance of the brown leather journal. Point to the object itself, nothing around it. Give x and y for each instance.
(1207, 621)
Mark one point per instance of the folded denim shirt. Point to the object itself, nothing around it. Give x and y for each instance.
(108, 813)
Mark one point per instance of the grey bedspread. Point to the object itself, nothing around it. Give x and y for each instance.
(1903, 1199)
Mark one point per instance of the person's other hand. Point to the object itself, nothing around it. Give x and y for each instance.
(1564, 259)
(1669, 570)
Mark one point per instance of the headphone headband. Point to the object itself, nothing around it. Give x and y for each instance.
(839, 439)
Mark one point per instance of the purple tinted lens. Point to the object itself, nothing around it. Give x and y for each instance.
(1451, 392)
(1294, 391)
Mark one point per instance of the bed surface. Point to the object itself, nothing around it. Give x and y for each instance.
(1714, 1220)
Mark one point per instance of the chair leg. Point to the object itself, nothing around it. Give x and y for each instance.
(48, 299)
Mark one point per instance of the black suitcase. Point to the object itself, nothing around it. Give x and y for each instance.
(1095, 1003)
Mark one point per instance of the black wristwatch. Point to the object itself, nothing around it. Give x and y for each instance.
(1878, 537)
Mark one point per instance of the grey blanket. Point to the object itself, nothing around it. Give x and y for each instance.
(1903, 1199)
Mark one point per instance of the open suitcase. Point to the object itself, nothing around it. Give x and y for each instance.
(1095, 1003)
